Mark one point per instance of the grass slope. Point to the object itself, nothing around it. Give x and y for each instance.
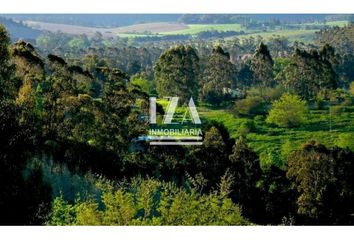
(197, 28)
(267, 138)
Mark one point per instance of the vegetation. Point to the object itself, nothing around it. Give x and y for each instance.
(150, 202)
(288, 111)
(277, 128)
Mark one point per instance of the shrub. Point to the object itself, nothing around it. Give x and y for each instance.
(251, 106)
(246, 127)
(288, 111)
(346, 140)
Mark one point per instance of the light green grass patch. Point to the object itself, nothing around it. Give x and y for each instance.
(194, 29)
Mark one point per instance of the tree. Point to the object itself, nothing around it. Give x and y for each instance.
(308, 73)
(218, 77)
(30, 76)
(21, 196)
(177, 72)
(149, 202)
(210, 159)
(278, 196)
(323, 179)
(288, 111)
(262, 66)
(244, 164)
(8, 86)
(245, 76)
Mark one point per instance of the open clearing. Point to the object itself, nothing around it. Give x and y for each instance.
(197, 28)
(144, 28)
(292, 35)
(165, 28)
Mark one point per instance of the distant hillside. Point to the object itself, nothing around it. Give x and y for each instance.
(18, 30)
(97, 20)
(151, 28)
(239, 18)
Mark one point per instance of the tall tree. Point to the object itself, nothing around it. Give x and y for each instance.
(323, 179)
(262, 66)
(21, 196)
(244, 164)
(308, 73)
(218, 77)
(7, 83)
(177, 72)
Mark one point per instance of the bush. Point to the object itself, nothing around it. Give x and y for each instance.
(346, 140)
(251, 106)
(268, 94)
(246, 127)
(288, 111)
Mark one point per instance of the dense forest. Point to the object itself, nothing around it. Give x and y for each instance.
(277, 121)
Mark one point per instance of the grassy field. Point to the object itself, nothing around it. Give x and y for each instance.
(331, 24)
(267, 139)
(320, 125)
(292, 35)
(165, 28)
(197, 28)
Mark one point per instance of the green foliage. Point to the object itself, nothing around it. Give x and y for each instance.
(63, 214)
(246, 167)
(150, 202)
(308, 73)
(279, 65)
(288, 111)
(351, 88)
(270, 158)
(323, 179)
(246, 127)
(64, 122)
(177, 72)
(346, 140)
(7, 85)
(287, 149)
(144, 84)
(262, 66)
(218, 77)
(76, 43)
(250, 106)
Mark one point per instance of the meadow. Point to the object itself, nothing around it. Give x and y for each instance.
(321, 125)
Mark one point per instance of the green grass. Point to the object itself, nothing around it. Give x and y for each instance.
(331, 24)
(194, 29)
(337, 23)
(303, 35)
(267, 138)
(293, 35)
